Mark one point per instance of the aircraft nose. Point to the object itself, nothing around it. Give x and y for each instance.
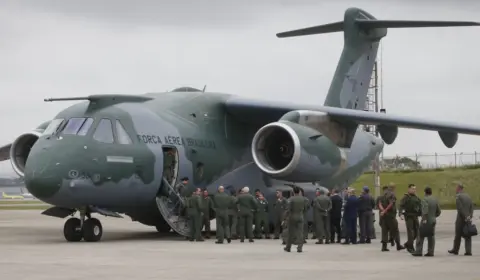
(41, 178)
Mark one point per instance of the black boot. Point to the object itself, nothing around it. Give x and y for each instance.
(384, 247)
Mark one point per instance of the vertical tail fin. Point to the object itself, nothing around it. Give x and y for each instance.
(362, 35)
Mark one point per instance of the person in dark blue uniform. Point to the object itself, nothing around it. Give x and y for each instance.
(350, 214)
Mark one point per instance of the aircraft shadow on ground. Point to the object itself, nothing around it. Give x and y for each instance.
(48, 236)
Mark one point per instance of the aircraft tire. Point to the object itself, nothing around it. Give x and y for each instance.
(92, 230)
(72, 230)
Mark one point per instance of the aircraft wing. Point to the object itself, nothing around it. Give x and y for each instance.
(262, 112)
(5, 152)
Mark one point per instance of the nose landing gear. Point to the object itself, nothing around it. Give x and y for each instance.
(76, 229)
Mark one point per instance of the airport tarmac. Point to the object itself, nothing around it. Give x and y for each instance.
(32, 247)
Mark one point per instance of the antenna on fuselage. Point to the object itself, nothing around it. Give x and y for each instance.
(204, 88)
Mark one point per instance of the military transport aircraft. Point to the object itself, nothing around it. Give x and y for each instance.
(121, 154)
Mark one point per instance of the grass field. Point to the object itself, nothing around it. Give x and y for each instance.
(24, 207)
(442, 181)
(11, 202)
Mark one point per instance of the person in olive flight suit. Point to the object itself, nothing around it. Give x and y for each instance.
(194, 212)
(261, 218)
(181, 187)
(255, 215)
(278, 213)
(305, 219)
(464, 215)
(429, 213)
(179, 190)
(336, 216)
(388, 218)
(168, 165)
(366, 204)
(206, 206)
(321, 208)
(247, 206)
(295, 213)
(409, 209)
(221, 204)
(395, 238)
(315, 218)
(233, 215)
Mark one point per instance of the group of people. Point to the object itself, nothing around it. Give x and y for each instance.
(246, 216)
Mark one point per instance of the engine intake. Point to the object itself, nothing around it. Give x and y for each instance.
(276, 149)
(293, 152)
(20, 150)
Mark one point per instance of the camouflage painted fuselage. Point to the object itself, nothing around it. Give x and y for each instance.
(214, 148)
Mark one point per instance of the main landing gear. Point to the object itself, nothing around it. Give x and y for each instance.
(76, 229)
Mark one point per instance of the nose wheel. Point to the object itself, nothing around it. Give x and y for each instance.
(90, 231)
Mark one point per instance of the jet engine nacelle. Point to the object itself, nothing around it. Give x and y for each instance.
(293, 152)
(20, 150)
(388, 133)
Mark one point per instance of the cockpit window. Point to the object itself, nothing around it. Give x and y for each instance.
(85, 127)
(104, 132)
(122, 135)
(73, 126)
(52, 127)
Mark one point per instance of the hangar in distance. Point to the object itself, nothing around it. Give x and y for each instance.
(110, 154)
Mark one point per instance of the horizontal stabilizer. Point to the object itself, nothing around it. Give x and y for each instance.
(320, 29)
(371, 23)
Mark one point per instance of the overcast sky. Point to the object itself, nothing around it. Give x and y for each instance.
(71, 48)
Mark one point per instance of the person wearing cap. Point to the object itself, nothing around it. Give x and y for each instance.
(247, 206)
(464, 215)
(321, 208)
(430, 211)
(366, 204)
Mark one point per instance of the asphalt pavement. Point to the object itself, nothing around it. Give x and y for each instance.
(32, 247)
